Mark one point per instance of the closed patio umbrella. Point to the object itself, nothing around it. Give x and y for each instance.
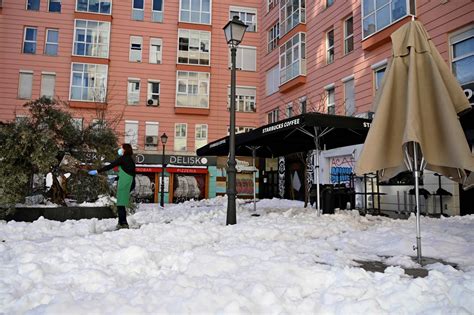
(416, 123)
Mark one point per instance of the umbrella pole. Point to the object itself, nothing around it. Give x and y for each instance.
(254, 149)
(416, 171)
(318, 194)
(316, 142)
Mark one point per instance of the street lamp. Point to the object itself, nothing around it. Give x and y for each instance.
(164, 139)
(234, 33)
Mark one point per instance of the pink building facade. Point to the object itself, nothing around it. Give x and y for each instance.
(149, 61)
(336, 51)
(150, 66)
(160, 66)
(330, 56)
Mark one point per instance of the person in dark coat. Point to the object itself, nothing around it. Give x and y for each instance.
(126, 181)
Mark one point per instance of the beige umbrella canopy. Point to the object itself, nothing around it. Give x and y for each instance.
(416, 122)
(418, 102)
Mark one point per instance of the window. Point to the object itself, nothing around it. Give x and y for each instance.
(246, 58)
(54, 6)
(330, 99)
(138, 10)
(180, 137)
(94, 6)
(157, 11)
(289, 110)
(136, 48)
(133, 91)
(349, 99)
(273, 116)
(153, 95)
(272, 80)
(89, 82)
(78, 123)
(246, 15)
(329, 3)
(51, 46)
(293, 58)
(330, 47)
(462, 52)
(201, 135)
(292, 13)
(91, 38)
(378, 14)
(303, 105)
(273, 35)
(48, 81)
(151, 135)
(131, 133)
(25, 85)
(348, 35)
(379, 71)
(156, 45)
(33, 5)
(271, 4)
(241, 129)
(195, 11)
(244, 99)
(193, 89)
(29, 40)
(193, 47)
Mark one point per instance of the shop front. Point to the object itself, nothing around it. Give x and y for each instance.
(185, 178)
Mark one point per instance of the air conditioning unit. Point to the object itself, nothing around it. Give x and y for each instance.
(151, 141)
(153, 102)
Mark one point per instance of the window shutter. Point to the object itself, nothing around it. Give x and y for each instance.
(249, 59)
(136, 48)
(47, 85)
(25, 85)
(151, 129)
(131, 133)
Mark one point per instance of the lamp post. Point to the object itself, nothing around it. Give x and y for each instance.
(164, 139)
(234, 33)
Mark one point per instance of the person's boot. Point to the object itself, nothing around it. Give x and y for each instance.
(122, 218)
(122, 226)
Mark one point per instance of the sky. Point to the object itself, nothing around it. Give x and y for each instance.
(183, 259)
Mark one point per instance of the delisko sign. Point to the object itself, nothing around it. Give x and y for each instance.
(185, 160)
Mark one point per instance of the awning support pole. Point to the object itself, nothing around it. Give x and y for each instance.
(416, 172)
(254, 154)
(316, 142)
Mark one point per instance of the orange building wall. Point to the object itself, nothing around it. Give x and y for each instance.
(439, 17)
(14, 17)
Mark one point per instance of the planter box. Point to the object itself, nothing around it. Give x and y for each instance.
(30, 214)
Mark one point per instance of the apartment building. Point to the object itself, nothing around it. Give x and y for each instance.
(153, 66)
(162, 66)
(330, 56)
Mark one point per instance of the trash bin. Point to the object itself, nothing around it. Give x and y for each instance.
(328, 200)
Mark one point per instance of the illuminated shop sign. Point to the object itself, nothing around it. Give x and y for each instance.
(184, 160)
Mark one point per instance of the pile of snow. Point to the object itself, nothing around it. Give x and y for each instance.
(184, 259)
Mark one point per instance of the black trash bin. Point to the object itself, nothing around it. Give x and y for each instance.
(328, 200)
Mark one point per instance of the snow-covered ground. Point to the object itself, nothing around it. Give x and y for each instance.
(185, 260)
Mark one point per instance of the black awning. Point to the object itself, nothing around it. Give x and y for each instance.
(296, 134)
